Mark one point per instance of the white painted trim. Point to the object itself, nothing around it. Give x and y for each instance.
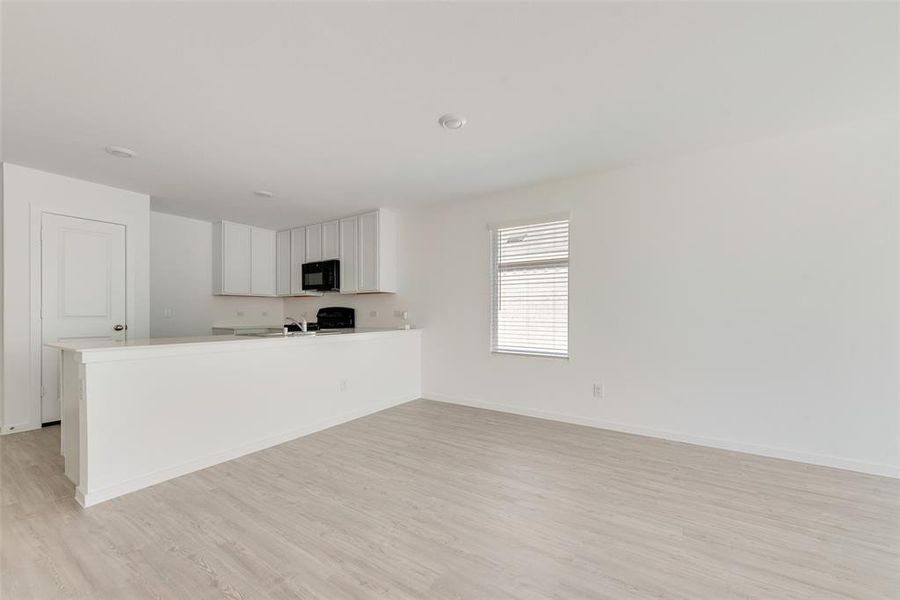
(36, 244)
(126, 487)
(35, 248)
(20, 427)
(781, 453)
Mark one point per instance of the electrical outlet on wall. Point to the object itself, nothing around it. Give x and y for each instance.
(265, 313)
(168, 313)
(240, 313)
(373, 313)
(598, 391)
(343, 385)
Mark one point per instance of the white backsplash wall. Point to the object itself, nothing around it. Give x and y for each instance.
(372, 310)
(230, 310)
(181, 299)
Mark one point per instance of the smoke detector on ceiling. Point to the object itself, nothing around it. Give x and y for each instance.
(451, 121)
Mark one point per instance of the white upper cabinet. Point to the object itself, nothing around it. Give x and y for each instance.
(243, 260)
(262, 262)
(331, 240)
(314, 243)
(349, 255)
(298, 257)
(378, 252)
(283, 263)
(368, 252)
(366, 245)
(231, 258)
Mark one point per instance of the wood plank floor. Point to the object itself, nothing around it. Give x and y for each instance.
(431, 500)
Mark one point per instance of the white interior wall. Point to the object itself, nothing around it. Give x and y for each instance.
(743, 297)
(28, 193)
(181, 281)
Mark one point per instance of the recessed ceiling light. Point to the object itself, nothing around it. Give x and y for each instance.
(451, 121)
(120, 152)
(264, 193)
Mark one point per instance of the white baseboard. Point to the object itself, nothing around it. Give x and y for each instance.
(804, 457)
(132, 485)
(19, 428)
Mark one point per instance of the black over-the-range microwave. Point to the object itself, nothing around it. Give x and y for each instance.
(322, 276)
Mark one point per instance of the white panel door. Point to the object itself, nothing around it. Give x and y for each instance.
(368, 252)
(298, 257)
(349, 255)
(262, 262)
(235, 258)
(283, 263)
(314, 242)
(82, 291)
(331, 240)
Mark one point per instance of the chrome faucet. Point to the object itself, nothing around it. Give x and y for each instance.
(302, 325)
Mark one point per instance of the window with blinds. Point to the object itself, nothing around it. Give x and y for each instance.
(530, 299)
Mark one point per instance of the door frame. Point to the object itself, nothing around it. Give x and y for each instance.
(37, 298)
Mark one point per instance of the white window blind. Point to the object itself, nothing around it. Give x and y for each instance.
(530, 300)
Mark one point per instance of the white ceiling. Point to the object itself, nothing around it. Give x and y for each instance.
(334, 107)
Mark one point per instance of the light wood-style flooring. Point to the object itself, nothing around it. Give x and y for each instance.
(430, 500)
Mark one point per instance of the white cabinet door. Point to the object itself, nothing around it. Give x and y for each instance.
(283, 263)
(368, 252)
(262, 262)
(331, 240)
(388, 251)
(314, 242)
(349, 255)
(298, 257)
(235, 258)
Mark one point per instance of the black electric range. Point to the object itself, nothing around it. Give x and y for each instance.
(332, 317)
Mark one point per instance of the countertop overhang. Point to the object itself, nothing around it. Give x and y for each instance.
(107, 350)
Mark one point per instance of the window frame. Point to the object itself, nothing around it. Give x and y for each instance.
(494, 229)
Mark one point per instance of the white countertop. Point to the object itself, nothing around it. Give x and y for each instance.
(243, 327)
(212, 342)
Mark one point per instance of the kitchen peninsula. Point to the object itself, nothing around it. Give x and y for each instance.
(139, 412)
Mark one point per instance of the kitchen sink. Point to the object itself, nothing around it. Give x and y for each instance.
(278, 334)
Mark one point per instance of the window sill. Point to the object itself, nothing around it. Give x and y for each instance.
(529, 354)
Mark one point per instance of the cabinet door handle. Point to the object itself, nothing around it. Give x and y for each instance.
(120, 327)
